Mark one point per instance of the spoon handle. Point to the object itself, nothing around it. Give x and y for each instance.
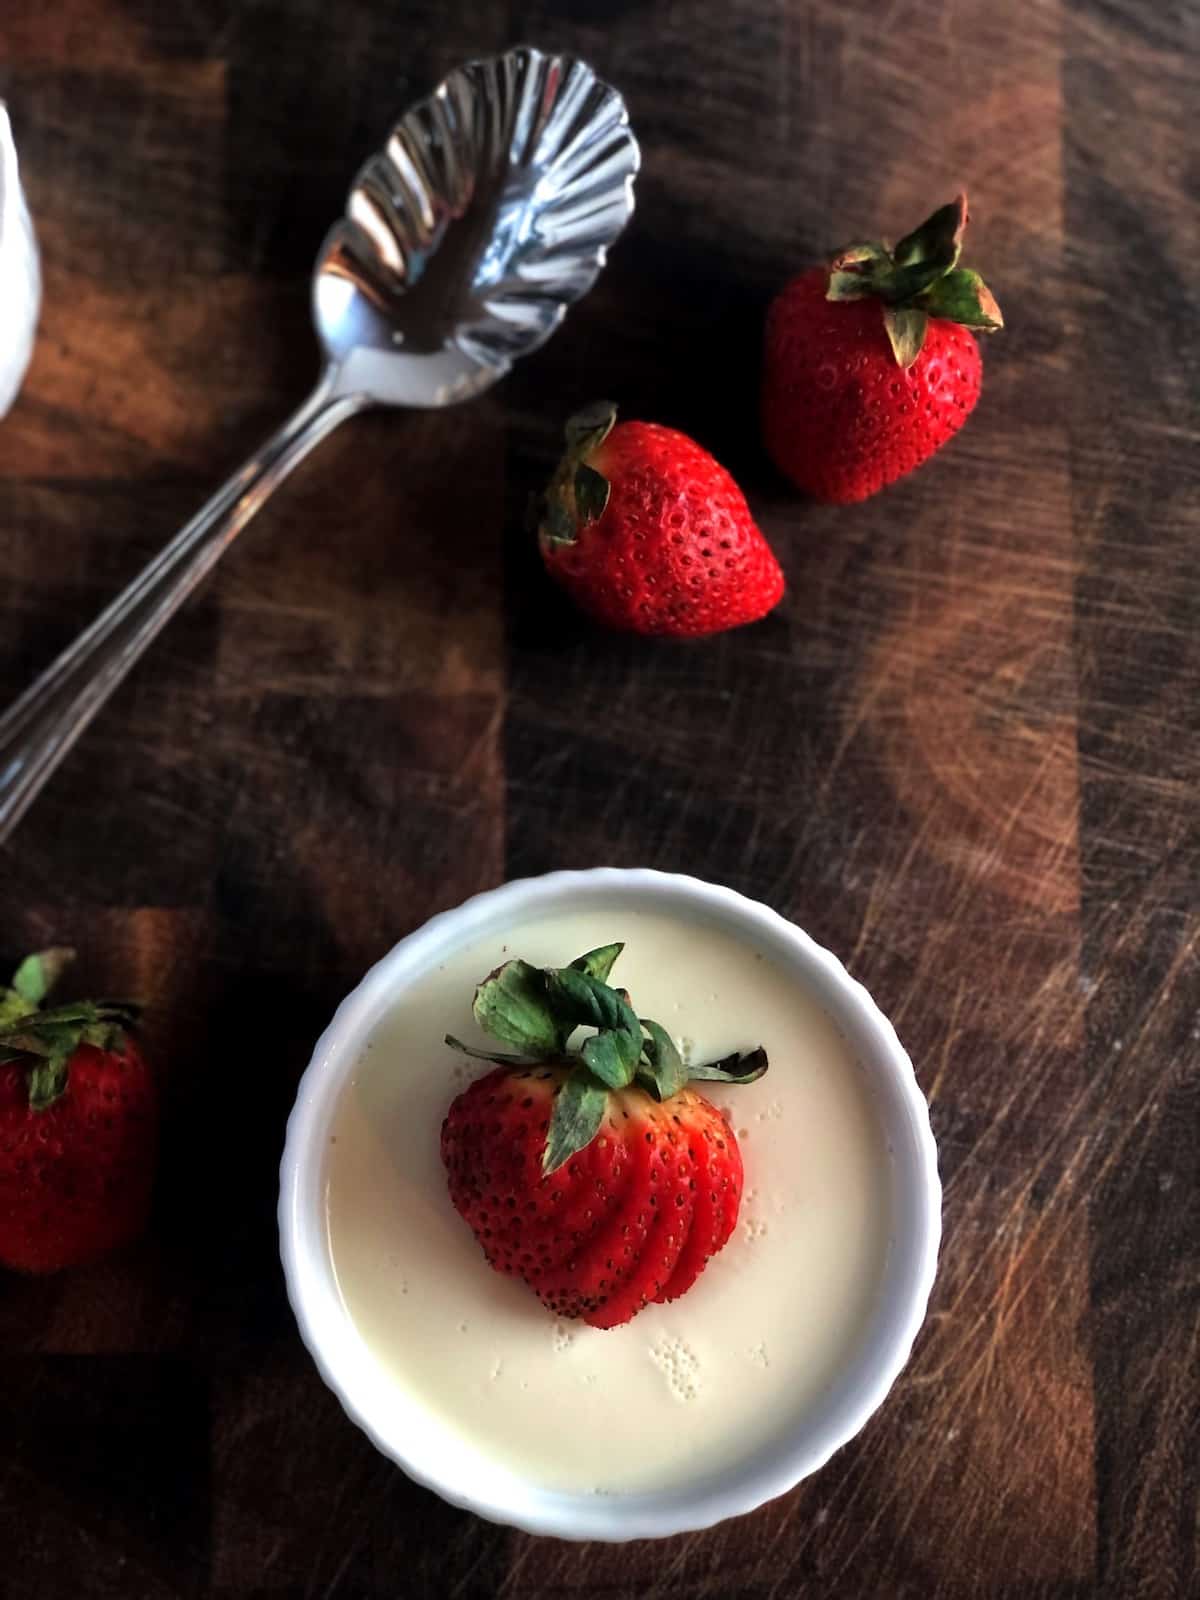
(38, 729)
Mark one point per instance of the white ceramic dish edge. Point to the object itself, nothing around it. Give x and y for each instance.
(617, 1518)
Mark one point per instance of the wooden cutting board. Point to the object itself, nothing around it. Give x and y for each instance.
(963, 752)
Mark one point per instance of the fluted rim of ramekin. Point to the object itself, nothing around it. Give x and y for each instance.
(617, 1517)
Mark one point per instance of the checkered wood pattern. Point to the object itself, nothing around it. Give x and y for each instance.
(962, 753)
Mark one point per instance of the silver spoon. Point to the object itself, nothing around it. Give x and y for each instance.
(464, 240)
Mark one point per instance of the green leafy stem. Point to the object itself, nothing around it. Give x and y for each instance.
(537, 1010)
(918, 279)
(46, 1039)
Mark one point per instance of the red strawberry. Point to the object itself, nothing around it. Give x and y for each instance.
(78, 1125)
(597, 1177)
(869, 367)
(647, 533)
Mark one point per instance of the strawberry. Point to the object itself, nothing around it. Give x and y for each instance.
(78, 1125)
(647, 533)
(595, 1175)
(869, 367)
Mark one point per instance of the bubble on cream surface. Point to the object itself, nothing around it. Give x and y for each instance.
(707, 1380)
(677, 1363)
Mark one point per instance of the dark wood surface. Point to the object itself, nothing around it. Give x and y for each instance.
(963, 753)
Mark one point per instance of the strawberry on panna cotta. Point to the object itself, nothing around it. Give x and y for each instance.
(597, 1176)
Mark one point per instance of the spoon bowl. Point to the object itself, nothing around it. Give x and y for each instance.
(487, 213)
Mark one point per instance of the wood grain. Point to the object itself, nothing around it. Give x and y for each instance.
(962, 752)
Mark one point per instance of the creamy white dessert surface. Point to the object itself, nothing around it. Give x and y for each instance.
(682, 1389)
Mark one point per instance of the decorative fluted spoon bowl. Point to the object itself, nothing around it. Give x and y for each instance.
(464, 240)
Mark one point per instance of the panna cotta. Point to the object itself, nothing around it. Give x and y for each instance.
(689, 1389)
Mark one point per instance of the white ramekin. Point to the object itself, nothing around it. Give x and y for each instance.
(871, 1368)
